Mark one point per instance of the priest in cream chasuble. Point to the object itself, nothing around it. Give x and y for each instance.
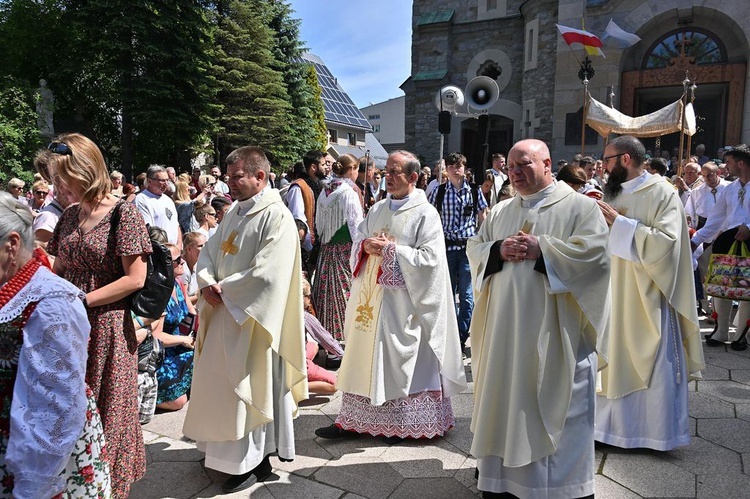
(250, 369)
(541, 283)
(655, 346)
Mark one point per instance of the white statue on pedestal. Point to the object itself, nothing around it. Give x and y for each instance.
(45, 107)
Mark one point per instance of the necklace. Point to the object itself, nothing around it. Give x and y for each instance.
(18, 281)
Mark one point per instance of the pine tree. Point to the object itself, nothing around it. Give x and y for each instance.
(303, 93)
(252, 93)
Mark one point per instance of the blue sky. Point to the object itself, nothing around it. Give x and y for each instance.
(366, 44)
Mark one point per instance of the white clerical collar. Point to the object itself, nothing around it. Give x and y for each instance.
(532, 200)
(398, 203)
(246, 205)
(632, 184)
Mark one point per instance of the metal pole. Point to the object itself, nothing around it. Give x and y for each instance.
(440, 160)
(692, 100)
(583, 115)
(685, 84)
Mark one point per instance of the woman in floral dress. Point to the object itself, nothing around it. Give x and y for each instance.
(337, 215)
(51, 436)
(108, 263)
(176, 373)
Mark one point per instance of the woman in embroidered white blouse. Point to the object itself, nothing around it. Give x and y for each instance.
(51, 436)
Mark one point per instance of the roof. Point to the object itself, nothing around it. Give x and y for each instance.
(338, 106)
(373, 146)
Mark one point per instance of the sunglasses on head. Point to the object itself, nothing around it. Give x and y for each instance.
(60, 148)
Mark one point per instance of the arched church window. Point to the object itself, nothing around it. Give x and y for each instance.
(696, 45)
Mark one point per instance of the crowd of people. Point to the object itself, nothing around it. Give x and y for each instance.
(578, 290)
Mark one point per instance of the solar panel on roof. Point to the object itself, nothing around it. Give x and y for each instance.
(337, 104)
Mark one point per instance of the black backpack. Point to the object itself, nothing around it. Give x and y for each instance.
(151, 300)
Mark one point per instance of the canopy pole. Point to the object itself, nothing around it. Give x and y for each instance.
(681, 152)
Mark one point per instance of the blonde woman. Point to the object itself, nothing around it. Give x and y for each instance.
(108, 263)
(337, 216)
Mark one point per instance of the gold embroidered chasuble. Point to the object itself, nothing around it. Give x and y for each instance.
(387, 321)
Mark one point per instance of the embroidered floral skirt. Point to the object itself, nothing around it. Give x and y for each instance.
(421, 415)
(87, 472)
(330, 291)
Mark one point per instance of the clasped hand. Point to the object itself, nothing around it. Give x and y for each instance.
(520, 247)
(375, 245)
(212, 294)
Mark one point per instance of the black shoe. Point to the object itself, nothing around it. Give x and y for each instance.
(247, 480)
(710, 342)
(334, 432)
(393, 440)
(739, 345)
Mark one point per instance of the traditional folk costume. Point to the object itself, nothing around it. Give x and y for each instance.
(403, 359)
(536, 331)
(249, 368)
(655, 347)
(337, 216)
(51, 435)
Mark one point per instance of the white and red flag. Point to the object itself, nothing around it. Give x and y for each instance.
(591, 43)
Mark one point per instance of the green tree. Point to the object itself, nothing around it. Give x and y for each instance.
(19, 136)
(252, 93)
(145, 72)
(320, 130)
(303, 93)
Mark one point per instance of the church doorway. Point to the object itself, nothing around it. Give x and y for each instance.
(701, 56)
(500, 140)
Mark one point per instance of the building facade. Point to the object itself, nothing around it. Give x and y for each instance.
(387, 120)
(516, 43)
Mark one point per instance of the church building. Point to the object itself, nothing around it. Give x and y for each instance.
(516, 43)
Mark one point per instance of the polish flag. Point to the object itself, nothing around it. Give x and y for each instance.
(590, 41)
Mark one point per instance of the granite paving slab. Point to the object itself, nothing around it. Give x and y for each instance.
(169, 449)
(730, 433)
(703, 405)
(466, 475)
(306, 424)
(715, 373)
(718, 357)
(742, 411)
(168, 424)
(741, 376)
(369, 477)
(309, 456)
(703, 457)
(423, 459)
(608, 489)
(729, 391)
(360, 446)
(257, 491)
(648, 475)
(289, 486)
(460, 436)
(431, 487)
(174, 480)
(723, 486)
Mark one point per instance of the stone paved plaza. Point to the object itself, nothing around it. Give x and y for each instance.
(716, 464)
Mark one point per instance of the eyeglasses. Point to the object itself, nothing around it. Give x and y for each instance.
(178, 261)
(607, 158)
(41, 193)
(60, 148)
(161, 180)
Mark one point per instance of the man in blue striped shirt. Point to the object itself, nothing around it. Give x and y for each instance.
(462, 209)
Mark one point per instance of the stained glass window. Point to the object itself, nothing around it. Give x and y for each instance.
(701, 46)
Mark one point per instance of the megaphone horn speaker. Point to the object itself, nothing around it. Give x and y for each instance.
(482, 92)
(449, 98)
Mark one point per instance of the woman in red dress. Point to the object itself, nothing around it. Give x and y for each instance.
(108, 264)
